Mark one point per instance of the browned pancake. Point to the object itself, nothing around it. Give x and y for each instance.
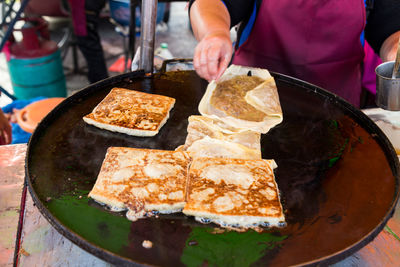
(244, 98)
(234, 193)
(229, 97)
(131, 112)
(142, 180)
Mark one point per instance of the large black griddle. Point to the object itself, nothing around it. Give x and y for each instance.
(337, 172)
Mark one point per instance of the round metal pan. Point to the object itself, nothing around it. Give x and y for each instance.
(337, 172)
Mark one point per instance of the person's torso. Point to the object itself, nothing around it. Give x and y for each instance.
(316, 41)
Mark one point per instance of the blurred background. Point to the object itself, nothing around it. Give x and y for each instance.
(172, 28)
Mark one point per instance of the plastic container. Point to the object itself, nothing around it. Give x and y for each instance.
(30, 116)
(135, 60)
(42, 76)
(35, 63)
(160, 54)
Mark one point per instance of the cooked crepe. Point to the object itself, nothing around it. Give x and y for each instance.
(205, 139)
(244, 98)
(200, 127)
(142, 181)
(228, 98)
(131, 112)
(234, 193)
(211, 147)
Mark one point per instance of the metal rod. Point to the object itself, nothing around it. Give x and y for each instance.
(132, 29)
(4, 91)
(147, 34)
(7, 13)
(12, 23)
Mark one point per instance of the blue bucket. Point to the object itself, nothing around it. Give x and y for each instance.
(42, 76)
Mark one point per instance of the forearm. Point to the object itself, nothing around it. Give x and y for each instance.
(209, 17)
(382, 22)
(389, 47)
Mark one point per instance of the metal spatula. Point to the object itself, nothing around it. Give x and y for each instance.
(396, 70)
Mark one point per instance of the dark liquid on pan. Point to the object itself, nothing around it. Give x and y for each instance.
(331, 172)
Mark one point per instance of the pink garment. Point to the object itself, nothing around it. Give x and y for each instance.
(6, 50)
(78, 16)
(315, 41)
(371, 61)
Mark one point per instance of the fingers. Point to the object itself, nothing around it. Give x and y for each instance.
(5, 136)
(212, 56)
(8, 134)
(5, 130)
(201, 61)
(222, 67)
(2, 139)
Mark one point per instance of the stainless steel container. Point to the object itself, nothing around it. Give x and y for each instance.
(387, 89)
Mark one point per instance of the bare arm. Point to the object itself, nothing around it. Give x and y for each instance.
(208, 16)
(389, 47)
(211, 26)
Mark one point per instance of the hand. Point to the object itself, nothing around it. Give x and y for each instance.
(5, 130)
(389, 47)
(212, 55)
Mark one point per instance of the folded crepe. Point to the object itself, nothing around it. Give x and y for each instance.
(205, 139)
(200, 127)
(211, 147)
(244, 99)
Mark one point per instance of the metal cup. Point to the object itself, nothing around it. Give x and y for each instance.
(387, 89)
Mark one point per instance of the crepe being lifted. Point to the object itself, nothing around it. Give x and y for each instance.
(200, 127)
(205, 139)
(211, 147)
(244, 98)
(234, 193)
(131, 112)
(142, 181)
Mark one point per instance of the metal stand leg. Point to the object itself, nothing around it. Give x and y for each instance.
(132, 28)
(126, 54)
(4, 91)
(75, 56)
(9, 26)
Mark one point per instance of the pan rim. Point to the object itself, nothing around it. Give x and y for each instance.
(114, 258)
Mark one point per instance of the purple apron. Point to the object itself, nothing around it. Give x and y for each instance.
(317, 41)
